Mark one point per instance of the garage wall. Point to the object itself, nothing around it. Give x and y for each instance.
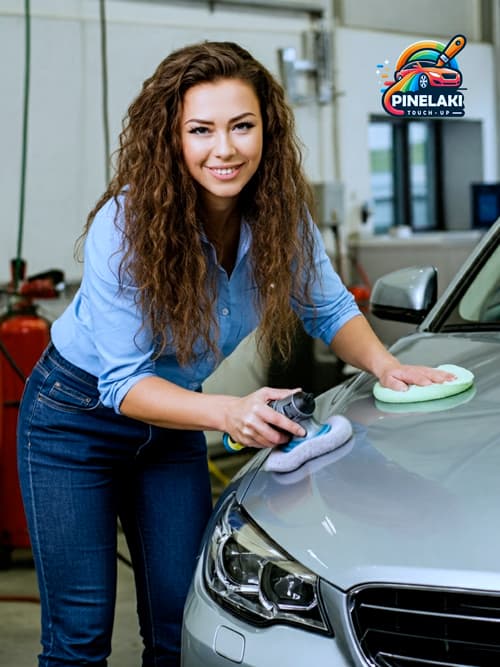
(427, 17)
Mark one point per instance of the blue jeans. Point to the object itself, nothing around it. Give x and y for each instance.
(81, 467)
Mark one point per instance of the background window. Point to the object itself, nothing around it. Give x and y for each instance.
(405, 175)
(382, 177)
(422, 163)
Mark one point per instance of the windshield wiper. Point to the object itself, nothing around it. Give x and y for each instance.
(470, 326)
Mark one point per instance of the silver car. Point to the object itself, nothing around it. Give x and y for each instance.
(385, 552)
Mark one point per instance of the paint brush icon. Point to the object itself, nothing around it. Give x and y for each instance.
(454, 46)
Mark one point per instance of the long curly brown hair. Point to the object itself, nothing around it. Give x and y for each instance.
(163, 252)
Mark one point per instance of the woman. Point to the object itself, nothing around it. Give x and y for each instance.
(202, 235)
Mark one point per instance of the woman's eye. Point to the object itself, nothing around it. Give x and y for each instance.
(199, 130)
(244, 126)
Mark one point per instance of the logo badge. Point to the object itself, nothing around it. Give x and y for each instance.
(427, 81)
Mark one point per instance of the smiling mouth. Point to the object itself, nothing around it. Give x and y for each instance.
(224, 171)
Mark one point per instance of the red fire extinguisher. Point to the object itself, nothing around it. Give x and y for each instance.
(24, 334)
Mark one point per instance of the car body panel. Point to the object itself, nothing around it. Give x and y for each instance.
(365, 512)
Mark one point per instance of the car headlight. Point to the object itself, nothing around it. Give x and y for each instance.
(257, 580)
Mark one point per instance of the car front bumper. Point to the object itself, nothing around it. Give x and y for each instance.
(213, 637)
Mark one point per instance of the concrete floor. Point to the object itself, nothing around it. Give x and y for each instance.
(20, 622)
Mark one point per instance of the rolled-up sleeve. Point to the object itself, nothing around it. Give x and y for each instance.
(123, 346)
(333, 304)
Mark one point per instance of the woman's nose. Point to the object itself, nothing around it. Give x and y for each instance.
(224, 147)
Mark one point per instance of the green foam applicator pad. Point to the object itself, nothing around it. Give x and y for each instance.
(416, 394)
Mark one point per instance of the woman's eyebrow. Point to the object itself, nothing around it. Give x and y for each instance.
(211, 122)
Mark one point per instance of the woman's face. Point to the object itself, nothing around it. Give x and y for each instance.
(221, 128)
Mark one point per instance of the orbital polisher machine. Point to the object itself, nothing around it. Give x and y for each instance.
(318, 439)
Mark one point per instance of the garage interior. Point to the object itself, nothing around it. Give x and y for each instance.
(390, 192)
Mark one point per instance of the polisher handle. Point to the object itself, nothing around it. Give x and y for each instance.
(298, 407)
(230, 445)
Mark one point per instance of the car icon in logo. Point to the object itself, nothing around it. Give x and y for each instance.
(428, 74)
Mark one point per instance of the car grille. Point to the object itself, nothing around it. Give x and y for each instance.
(416, 627)
(449, 76)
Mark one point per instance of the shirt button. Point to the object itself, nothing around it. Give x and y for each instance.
(225, 311)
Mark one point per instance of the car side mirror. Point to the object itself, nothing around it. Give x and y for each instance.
(406, 295)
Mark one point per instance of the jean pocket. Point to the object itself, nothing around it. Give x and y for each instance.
(69, 395)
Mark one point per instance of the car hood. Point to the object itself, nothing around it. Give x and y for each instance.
(414, 496)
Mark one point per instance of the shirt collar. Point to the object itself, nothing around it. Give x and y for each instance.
(244, 242)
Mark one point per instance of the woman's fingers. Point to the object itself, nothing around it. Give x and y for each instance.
(254, 423)
(400, 377)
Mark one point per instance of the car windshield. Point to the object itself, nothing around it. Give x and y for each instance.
(476, 303)
(424, 63)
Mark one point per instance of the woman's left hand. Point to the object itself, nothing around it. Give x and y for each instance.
(400, 376)
(357, 344)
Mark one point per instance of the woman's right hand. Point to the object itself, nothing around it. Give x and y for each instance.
(250, 420)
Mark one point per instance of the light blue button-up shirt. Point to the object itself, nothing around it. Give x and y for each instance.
(101, 330)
